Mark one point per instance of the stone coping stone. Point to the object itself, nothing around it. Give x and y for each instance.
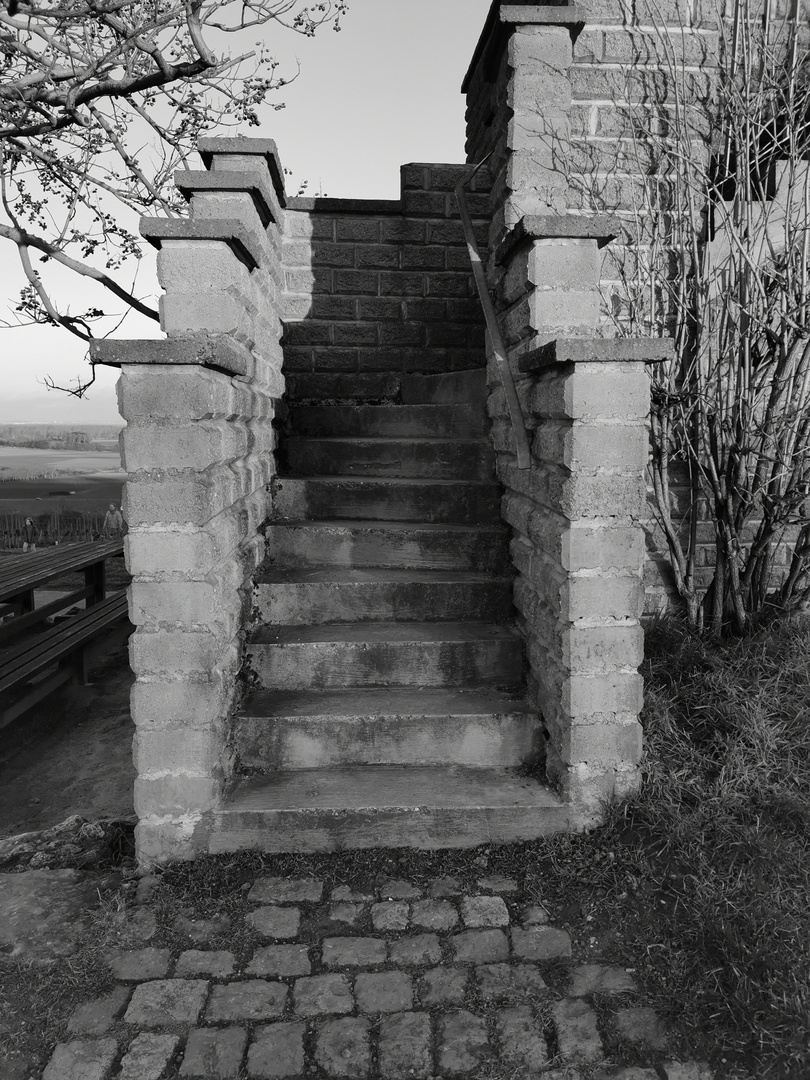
(216, 351)
(254, 183)
(588, 350)
(600, 227)
(499, 23)
(263, 148)
(246, 243)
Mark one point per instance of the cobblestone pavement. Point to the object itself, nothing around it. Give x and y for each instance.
(394, 982)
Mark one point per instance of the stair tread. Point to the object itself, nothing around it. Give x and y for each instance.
(386, 440)
(379, 632)
(278, 575)
(367, 525)
(378, 787)
(358, 703)
(414, 481)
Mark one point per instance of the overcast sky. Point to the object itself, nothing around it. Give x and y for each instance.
(382, 92)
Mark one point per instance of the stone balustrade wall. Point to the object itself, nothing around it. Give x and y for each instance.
(198, 450)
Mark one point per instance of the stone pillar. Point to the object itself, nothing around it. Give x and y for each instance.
(198, 450)
(577, 512)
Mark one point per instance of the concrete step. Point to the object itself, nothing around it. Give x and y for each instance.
(401, 544)
(297, 597)
(390, 421)
(308, 729)
(384, 806)
(425, 654)
(447, 387)
(346, 388)
(389, 499)
(463, 459)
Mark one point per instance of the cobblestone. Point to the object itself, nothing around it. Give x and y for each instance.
(137, 965)
(687, 1070)
(353, 952)
(342, 1047)
(540, 943)
(481, 946)
(446, 886)
(443, 986)
(640, 1025)
(404, 1048)
(277, 1051)
(390, 915)
(255, 999)
(82, 1059)
(346, 912)
(535, 915)
(521, 1039)
(577, 1035)
(96, 1017)
(367, 1014)
(344, 893)
(479, 911)
(383, 991)
(275, 922)
(147, 1056)
(434, 914)
(498, 981)
(463, 1042)
(320, 995)
(280, 960)
(399, 890)
(216, 963)
(417, 951)
(279, 890)
(203, 931)
(214, 1053)
(497, 883)
(600, 979)
(167, 1002)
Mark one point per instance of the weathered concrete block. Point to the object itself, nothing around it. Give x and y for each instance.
(176, 795)
(176, 748)
(618, 692)
(593, 391)
(177, 652)
(183, 446)
(564, 264)
(593, 446)
(194, 703)
(188, 266)
(219, 312)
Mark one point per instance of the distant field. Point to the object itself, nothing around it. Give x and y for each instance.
(81, 462)
(90, 480)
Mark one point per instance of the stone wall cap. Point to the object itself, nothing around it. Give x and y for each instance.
(245, 242)
(255, 183)
(325, 205)
(502, 17)
(600, 227)
(589, 350)
(265, 148)
(216, 351)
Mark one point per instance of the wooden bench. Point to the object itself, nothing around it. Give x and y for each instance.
(64, 646)
(22, 574)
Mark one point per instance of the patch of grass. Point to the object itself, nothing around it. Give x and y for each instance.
(701, 882)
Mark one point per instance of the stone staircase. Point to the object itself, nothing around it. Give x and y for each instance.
(387, 678)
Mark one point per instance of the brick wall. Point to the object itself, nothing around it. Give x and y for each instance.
(377, 287)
